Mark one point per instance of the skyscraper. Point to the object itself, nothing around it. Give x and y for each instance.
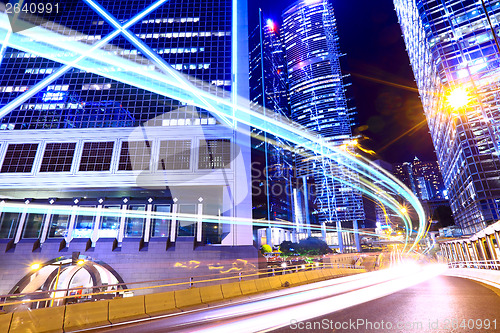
(423, 178)
(103, 153)
(454, 51)
(318, 102)
(268, 90)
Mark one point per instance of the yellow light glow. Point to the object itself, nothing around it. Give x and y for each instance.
(458, 98)
(35, 266)
(403, 210)
(80, 262)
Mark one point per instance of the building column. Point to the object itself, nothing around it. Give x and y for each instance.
(173, 224)
(306, 206)
(71, 224)
(497, 239)
(465, 246)
(481, 251)
(97, 225)
(269, 236)
(339, 236)
(491, 247)
(475, 251)
(147, 226)
(46, 226)
(123, 219)
(357, 238)
(199, 224)
(20, 225)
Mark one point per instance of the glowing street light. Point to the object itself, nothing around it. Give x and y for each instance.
(458, 98)
(35, 266)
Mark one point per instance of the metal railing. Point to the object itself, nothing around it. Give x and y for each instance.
(480, 264)
(95, 293)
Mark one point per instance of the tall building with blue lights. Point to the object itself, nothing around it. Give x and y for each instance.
(102, 159)
(268, 91)
(454, 50)
(318, 102)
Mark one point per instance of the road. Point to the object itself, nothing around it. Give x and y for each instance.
(327, 300)
(437, 305)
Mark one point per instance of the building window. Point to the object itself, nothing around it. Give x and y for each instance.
(212, 232)
(135, 155)
(174, 155)
(84, 225)
(19, 157)
(96, 156)
(135, 224)
(160, 226)
(186, 227)
(215, 154)
(33, 225)
(8, 224)
(110, 221)
(58, 225)
(58, 157)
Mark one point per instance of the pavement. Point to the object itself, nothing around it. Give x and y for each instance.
(441, 304)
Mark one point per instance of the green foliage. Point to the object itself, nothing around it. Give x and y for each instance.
(311, 246)
(265, 249)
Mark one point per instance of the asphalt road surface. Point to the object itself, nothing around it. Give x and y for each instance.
(442, 304)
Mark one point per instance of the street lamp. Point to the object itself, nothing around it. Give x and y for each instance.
(458, 98)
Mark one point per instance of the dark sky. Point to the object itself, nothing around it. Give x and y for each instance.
(383, 86)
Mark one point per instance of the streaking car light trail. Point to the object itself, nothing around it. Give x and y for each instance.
(40, 41)
(197, 218)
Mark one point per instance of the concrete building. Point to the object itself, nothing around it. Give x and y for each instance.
(118, 175)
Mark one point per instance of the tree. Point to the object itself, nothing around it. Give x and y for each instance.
(265, 249)
(311, 246)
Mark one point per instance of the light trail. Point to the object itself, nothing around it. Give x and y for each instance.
(278, 309)
(40, 41)
(96, 211)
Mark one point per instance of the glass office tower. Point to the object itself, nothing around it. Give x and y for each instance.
(88, 141)
(454, 51)
(273, 164)
(318, 102)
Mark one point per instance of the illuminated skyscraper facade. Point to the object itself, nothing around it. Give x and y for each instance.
(318, 102)
(268, 91)
(454, 51)
(104, 159)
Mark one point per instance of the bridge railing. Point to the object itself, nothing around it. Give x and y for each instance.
(59, 297)
(481, 264)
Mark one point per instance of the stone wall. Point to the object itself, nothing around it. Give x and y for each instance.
(156, 261)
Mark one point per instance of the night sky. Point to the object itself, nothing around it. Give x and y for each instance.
(383, 85)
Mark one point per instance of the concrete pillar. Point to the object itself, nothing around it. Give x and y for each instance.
(20, 225)
(269, 236)
(123, 219)
(173, 224)
(199, 223)
(306, 205)
(97, 224)
(489, 243)
(147, 223)
(482, 252)
(339, 236)
(71, 224)
(46, 226)
(357, 238)
(475, 251)
(465, 246)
